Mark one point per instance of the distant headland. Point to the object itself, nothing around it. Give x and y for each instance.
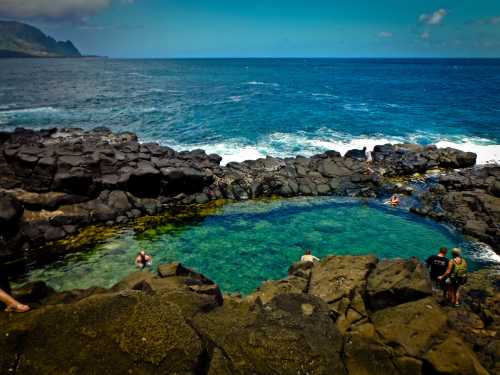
(20, 40)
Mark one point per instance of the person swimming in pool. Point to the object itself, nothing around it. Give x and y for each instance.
(143, 260)
(394, 201)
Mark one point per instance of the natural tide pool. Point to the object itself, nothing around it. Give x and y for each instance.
(240, 245)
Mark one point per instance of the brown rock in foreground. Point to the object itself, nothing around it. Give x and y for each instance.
(148, 324)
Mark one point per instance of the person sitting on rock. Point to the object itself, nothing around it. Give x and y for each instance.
(143, 260)
(437, 265)
(12, 304)
(308, 257)
(457, 272)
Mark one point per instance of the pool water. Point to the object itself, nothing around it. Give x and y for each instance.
(240, 245)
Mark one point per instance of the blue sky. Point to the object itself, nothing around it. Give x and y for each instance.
(272, 28)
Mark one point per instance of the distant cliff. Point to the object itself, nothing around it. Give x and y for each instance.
(21, 40)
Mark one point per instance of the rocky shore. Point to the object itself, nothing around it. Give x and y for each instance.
(345, 315)
(351, 315)
(55, 182)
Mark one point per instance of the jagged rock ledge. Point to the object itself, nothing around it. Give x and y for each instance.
(54, 182)
(345, 315)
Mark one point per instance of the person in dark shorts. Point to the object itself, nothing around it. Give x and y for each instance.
(457, 273)
(437, 265)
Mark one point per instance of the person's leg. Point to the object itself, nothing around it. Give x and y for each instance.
(457, 295)
(451, 294)
(11, 303)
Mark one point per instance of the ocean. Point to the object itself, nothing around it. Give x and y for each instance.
(249, 108)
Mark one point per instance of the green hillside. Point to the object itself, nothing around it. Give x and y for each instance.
(21, 40)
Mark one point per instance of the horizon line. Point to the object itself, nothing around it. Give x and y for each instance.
(291, 58)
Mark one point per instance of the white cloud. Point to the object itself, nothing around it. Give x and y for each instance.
(384, 34)
(52, 9)
(425, 35)
(434, 18)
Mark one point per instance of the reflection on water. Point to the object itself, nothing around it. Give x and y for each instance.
(240, 245)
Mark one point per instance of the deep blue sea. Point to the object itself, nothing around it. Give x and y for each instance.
(248, 108)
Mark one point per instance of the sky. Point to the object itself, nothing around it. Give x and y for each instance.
(271, 28)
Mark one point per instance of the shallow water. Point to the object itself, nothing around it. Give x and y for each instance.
(241, 245)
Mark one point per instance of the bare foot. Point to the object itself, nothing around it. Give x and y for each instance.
(18, 307)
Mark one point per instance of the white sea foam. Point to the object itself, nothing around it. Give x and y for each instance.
(236, 98)
(357, 107)
(486, 153)
(484, 253)
(319, 95)
(292, 144)
(260, 83)
(22, 111)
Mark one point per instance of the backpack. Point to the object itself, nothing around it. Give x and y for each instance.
(459, 273)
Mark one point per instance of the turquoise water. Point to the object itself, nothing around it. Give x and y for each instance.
(243, 244)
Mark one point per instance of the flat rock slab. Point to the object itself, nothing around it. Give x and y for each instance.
(338, 276)
(394, 282)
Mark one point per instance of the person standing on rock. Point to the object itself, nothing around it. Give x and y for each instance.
(308, 257)
(457, 272)
(437, 265)
(143, 260)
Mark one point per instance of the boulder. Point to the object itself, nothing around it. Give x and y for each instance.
(394, 282)
(269, 289)
(48, 339)
(293, 332)
(11, 211)
(452, 357)
(356, 154)
(411, 327)
(336, 277)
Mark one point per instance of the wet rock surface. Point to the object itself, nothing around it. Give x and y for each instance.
(66, 179)
(150, 324)
(469, 199)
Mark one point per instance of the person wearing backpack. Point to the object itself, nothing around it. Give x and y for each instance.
(457, 273)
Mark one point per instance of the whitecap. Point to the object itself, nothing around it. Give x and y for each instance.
(319, 95)
(139, 75)
(256, 83)
(486, 153)
(22, 111)
(282, 144)
(236, 98)
(231, 151)
(148, 110)
(260, 83)
(358, 107)
(482, 252)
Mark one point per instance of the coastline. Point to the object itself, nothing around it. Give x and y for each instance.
(58, 181)
(339, 316)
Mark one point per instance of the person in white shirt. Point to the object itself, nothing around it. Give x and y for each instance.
(308, 257)
(368, 155)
